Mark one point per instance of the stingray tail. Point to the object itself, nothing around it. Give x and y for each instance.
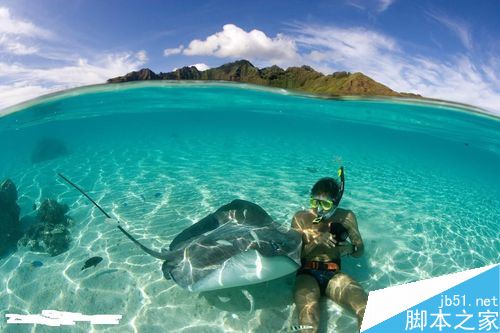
(155, 254)
(85, 194)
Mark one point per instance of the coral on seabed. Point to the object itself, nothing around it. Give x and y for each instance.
(52, 212)
(51, 234)
(10, 228)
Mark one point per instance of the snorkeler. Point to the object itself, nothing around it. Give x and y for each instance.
(325, 230)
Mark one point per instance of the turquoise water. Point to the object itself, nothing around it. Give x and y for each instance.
(421, 178)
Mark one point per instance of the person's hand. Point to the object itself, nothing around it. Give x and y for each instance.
(327, 239)
(346, 249)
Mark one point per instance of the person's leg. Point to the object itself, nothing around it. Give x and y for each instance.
(348, 293)
(307, 296)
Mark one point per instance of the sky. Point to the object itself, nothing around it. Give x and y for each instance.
(440, 49)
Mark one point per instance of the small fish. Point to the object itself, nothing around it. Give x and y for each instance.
(92, 262)
(125, 204)
(312, 170)
(157, 194)
(34, 206)
(143, 198)
(300, 328)
(37, 263)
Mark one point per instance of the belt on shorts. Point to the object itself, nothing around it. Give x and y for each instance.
(320, 265)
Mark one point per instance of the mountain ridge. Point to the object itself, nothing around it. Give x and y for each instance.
(303, 78)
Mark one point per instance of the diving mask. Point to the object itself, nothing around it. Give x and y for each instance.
(325, 204)
(325, 209)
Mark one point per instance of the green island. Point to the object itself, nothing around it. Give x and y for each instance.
(304, 79)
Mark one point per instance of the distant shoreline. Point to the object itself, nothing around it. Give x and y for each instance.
(138, 84)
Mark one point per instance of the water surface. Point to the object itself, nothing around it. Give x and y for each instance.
(421, 178)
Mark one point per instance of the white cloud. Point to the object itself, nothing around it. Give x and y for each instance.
(384, 4)
(29, 82)
(172, 51)
(459, 78)
(201, 67)
(355, 5)
(11, 26)
(379, 5)
(81, 72)
(16, 36)
(142, 56)
(66, 68)
(13, 46)
(343, 43)
(234, 42)
(459, 28)
(21, 91)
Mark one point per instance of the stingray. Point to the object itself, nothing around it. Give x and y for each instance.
(239, 244)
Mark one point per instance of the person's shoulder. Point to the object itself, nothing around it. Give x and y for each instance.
(302, 219)
(301, 214)
(345, 214)
(346, 211)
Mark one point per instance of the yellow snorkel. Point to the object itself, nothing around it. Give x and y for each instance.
(340, 172)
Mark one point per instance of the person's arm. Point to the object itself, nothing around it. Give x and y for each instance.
(297, 227)
(295, 224)
(351, 223)
(311, 239)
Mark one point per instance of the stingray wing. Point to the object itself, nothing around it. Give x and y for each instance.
(235, 255)
(237, 211)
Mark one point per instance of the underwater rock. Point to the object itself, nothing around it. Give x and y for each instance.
(8, 191)
(27, 221)
(9, 216)
(52, 212)
(48, 149)
(49, 238)
(50, 234)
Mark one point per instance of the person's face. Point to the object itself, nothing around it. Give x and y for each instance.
(322, 204)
